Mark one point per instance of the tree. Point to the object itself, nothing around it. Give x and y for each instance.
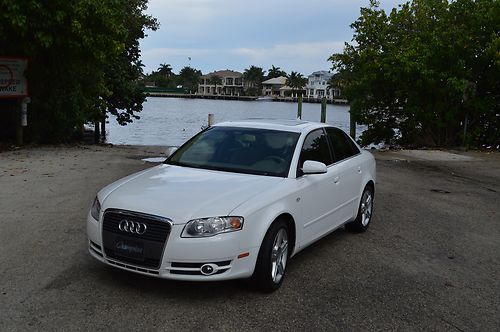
(126, 96)
(165, 69)
(274, 72)
(296, 81)
(425, 72)
(335, 82)
(189, 78)
(253, 77)
(163, 77)
(215, 80)
(83, 59)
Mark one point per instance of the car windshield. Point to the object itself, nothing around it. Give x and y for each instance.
(241, 150)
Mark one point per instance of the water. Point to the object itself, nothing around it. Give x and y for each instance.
(172, 121)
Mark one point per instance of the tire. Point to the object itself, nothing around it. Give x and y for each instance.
(273, 258)
(365, 212)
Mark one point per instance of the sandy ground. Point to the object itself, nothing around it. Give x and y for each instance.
(430, 260)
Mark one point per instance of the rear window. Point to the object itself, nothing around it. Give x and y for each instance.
(342, 145)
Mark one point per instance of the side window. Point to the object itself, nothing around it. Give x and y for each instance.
(315, 148)
(341, 144)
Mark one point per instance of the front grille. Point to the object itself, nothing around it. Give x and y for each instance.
(141, 250)
(157, 230)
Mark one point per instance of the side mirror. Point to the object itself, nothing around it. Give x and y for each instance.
(170, 150)
(313, 167)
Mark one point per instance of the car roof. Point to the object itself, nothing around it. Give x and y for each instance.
(274, 124)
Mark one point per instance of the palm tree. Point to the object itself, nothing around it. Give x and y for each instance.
(296, 81)
(165, 69)
(189, 78)
(274, 72)
(253, 78)
(215, 80)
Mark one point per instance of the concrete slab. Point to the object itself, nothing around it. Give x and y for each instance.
(435, 155)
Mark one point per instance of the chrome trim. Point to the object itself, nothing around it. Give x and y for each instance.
(130, 267)
(133, 227)
(139, 214)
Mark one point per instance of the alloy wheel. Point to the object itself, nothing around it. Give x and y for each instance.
(366, 207)
(279, 255)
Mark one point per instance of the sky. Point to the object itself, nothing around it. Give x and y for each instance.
(296, 35)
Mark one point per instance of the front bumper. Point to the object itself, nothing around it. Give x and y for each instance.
(183, 258)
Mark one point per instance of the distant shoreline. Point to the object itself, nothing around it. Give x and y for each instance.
(246, 98)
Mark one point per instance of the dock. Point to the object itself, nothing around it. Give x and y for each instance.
(246, 98)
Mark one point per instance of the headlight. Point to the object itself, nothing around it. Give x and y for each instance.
(205, 227)
(96, 209)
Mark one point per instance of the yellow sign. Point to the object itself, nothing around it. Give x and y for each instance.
(13, 84)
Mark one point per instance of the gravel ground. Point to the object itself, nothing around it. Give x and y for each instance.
(430, 260)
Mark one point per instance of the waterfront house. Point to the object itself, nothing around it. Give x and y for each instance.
(317, 86)
(231, 83)
(271, 87)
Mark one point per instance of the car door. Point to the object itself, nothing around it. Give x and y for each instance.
(349, 173)
(318, 199)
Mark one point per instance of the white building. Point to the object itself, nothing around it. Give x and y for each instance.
(232, 83)
(272, 86)
(317, 86)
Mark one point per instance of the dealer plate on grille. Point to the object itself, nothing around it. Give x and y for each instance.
(129, 249)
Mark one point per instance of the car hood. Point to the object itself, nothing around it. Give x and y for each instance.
(182, 193)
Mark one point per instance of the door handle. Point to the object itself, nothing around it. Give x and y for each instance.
(336, 179)
(359, 169)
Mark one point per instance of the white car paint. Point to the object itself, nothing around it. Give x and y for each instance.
(318, 204)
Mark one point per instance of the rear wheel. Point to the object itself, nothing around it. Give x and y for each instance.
(365, 211)
(273, 258)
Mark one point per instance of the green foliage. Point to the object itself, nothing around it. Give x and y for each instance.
(275, 72)
(253, 77)
(296, 81)
(415, 75)
(163, 77)
(189, 78)
(83, 60)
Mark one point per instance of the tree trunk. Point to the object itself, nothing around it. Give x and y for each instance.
(96, 133)
(103, 127)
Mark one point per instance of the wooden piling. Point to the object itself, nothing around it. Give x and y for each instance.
(323, 110)
(299, 107)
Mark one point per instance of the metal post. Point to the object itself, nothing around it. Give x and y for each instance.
(19, 127)
(323, 110)
(299, 107)
(211, 119)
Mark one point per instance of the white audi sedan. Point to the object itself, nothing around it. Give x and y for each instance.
(237, 200)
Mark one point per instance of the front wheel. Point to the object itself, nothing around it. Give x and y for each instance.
(365, 211)
(273, 258)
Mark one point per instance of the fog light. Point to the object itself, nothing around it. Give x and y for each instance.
(208, 269)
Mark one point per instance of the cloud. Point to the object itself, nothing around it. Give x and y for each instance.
(304, 57)
(234, 34)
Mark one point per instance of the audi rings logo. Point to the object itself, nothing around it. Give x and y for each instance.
(133, 227)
